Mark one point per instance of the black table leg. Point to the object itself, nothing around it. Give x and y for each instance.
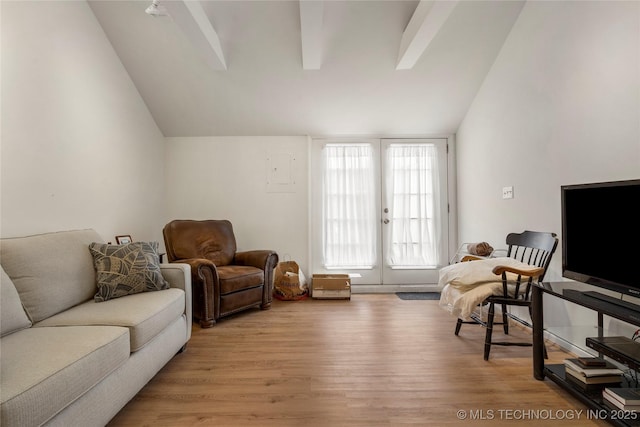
(538, 333)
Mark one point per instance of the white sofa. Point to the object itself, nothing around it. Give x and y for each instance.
(66, 360)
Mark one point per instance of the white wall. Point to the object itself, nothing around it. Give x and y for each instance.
(226, 178)
(561, 105)
(79, 147)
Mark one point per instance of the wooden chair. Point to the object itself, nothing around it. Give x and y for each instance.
(534, 248)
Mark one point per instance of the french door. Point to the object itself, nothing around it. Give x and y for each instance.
(379, 210)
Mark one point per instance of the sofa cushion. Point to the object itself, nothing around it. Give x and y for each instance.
(45, 369)
(126, 269)
(52, 271)
(145, 314)
(12, 315)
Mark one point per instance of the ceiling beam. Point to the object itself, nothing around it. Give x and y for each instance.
(311, 15)
(427, 20)
(194, 23)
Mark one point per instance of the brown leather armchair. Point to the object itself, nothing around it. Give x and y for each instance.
(223, 281)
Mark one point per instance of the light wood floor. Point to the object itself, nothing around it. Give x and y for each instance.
(376, 360)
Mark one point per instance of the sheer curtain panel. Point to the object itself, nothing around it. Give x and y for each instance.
(348, 198)
(412, 197)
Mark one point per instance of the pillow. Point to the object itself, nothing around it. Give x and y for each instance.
(12, 315)
(480, 249)
(126, 269)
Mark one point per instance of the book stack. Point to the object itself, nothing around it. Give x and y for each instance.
(592, 372)
(627, 399)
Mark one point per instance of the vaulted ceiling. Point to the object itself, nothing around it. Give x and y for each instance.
(307, 67)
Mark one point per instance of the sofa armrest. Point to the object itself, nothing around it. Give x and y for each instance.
(179, 276)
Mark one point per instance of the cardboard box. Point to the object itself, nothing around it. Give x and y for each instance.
(331, 286)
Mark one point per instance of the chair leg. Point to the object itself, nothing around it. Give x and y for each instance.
(487, 339)
(458, 326)
(505, 320)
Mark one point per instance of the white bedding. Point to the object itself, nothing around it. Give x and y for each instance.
(467, 284)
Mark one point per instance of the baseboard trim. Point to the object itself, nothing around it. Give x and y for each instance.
(392, 289)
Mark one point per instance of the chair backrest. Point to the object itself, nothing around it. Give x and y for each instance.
(533, 247)
(209, 239)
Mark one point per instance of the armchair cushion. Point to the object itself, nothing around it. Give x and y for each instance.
(126, 269)
(237, 277)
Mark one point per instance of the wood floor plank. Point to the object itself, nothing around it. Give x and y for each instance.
(376, 360)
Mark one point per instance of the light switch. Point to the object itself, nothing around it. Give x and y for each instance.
(507, 192)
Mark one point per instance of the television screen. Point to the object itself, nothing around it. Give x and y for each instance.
(601, 234)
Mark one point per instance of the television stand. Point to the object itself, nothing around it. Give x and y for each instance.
(621, 349)
(611, 300)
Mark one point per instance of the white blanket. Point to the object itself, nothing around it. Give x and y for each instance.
(467, 284)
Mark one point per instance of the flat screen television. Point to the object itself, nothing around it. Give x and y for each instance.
(601, 235)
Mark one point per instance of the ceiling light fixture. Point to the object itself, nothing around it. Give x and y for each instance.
(156, 10)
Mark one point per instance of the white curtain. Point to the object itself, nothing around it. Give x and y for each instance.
(412, 197)
(349, 234)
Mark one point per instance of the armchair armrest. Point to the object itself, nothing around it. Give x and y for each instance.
(262, 259)
(200, 269)
(204, 277)
(266, 260)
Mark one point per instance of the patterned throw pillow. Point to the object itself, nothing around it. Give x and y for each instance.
(126, 269)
